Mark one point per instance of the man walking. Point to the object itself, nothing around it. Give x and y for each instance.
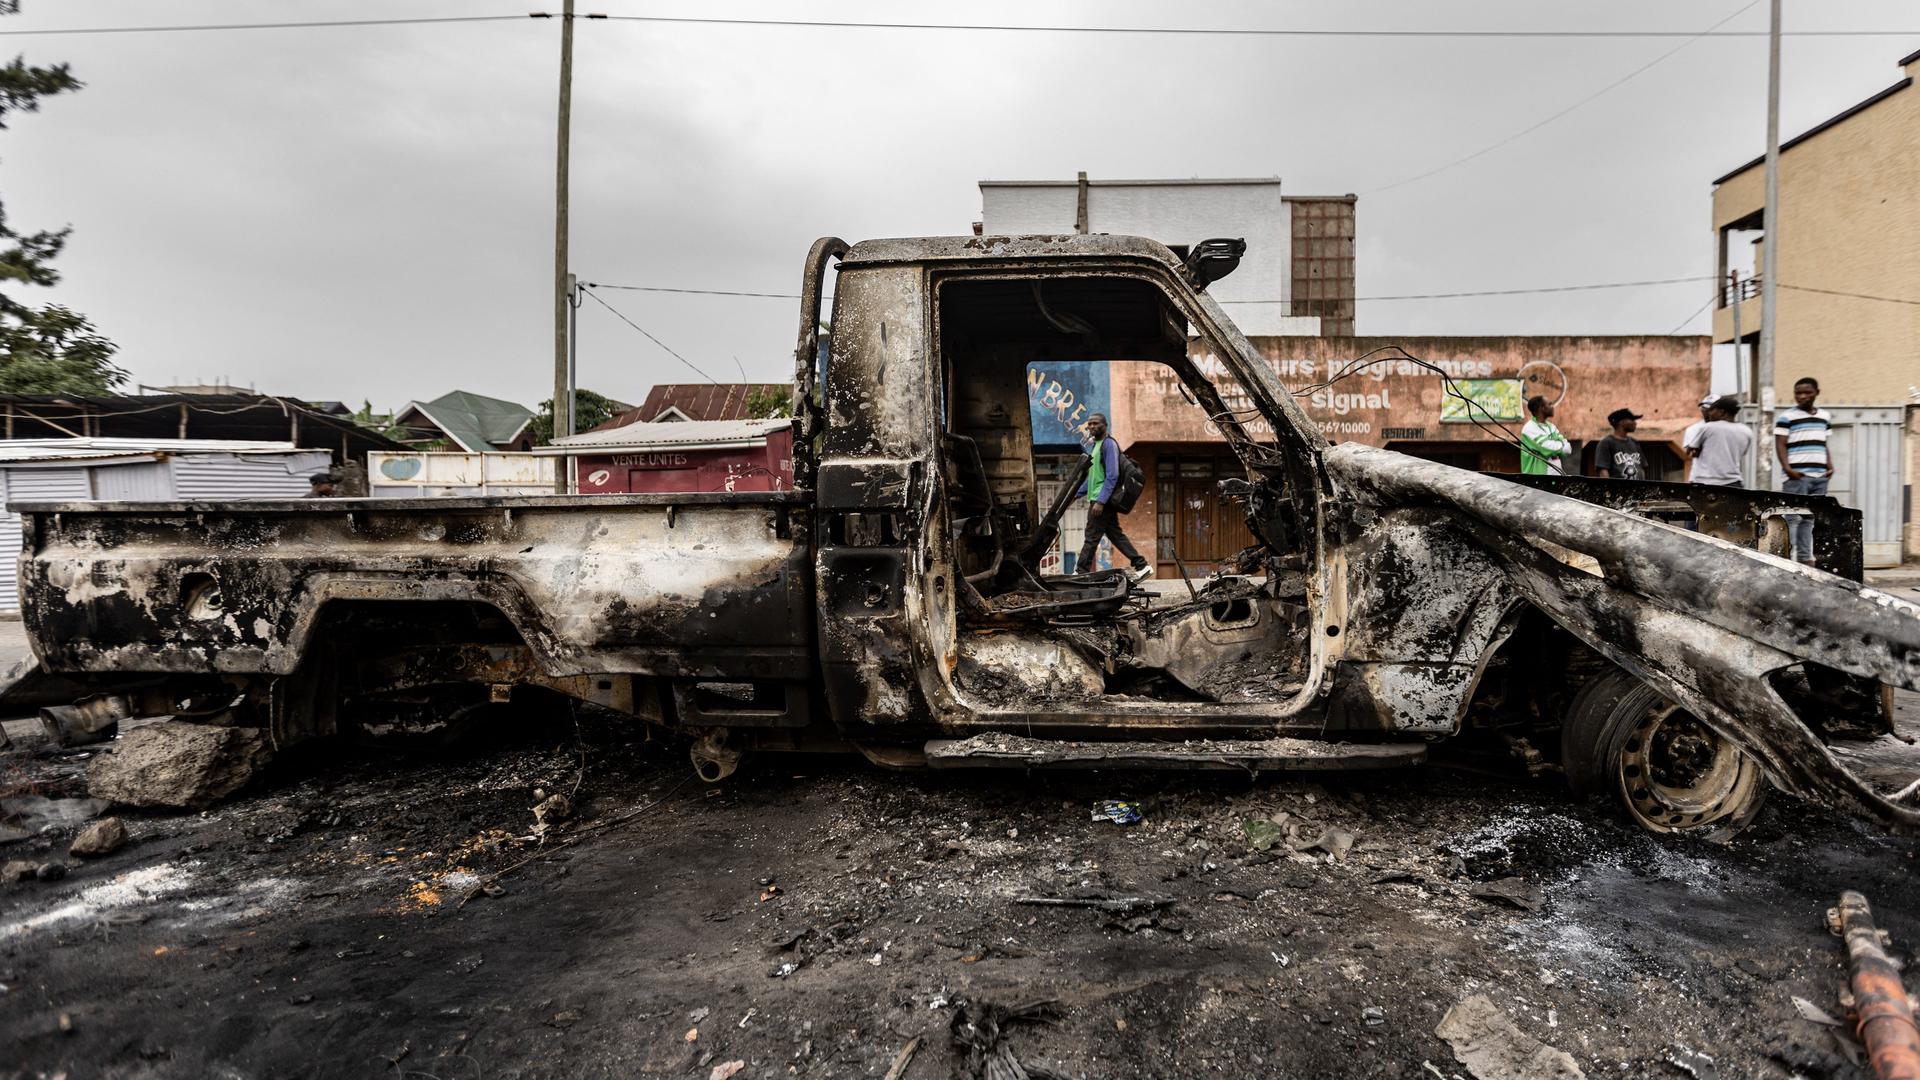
(1618, 455)
(1541, 445)
(1719, 446)
(1800, 442)
(1103, 520)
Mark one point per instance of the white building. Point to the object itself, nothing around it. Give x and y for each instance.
(1298, 273)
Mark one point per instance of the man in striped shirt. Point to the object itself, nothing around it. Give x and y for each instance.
(1800, 441)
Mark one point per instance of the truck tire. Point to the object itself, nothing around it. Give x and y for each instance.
(1670, 773)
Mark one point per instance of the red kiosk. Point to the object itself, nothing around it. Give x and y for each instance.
(681, 456)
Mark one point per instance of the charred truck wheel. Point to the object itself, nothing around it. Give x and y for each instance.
(1670, 772)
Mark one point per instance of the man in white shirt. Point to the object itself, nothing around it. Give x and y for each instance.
(1693, 429)
(1719, 446)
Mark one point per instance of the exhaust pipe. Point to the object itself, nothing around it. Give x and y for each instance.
(89, 720)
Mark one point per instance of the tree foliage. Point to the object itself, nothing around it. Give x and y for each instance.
(764, 403)
(50, 349)
(55, 351)
(589, 411)
(382, 423)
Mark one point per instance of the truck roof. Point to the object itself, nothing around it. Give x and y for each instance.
(922, 249)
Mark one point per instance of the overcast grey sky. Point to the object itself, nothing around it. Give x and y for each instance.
(367, 212)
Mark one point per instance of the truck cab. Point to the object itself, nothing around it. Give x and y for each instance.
(932, 616)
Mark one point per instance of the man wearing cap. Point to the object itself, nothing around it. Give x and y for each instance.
(1618, 455)
(1686, 439)
(1719, 446)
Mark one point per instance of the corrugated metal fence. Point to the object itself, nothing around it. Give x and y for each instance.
(187, 476)
(246, 476)
(29, 485)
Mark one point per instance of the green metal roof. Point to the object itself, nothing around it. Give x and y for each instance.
(474, 421)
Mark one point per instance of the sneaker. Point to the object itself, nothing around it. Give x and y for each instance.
(1140, 573)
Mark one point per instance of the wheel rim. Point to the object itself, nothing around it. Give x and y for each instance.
(1678, 775)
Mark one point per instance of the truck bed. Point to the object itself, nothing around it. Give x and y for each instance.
(685, 584)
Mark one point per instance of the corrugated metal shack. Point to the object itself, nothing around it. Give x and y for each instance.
(141, 470)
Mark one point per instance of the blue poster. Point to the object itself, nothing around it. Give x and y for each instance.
(1060, 397)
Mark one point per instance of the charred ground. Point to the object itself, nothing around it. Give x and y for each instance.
(315, 926)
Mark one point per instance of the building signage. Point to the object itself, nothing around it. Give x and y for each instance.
(650, 461)
(1363, 390)
(1060, 397)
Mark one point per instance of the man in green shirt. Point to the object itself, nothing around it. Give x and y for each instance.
(1542, 447)
(1103, 520)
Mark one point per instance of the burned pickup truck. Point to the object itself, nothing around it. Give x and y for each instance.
(890, 603)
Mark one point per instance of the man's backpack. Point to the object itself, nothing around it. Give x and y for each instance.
(1126, 491)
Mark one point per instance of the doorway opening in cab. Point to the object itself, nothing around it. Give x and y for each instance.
(1115, 503)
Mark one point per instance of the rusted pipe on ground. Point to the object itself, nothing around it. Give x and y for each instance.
(89, 720)
(1881, 1007)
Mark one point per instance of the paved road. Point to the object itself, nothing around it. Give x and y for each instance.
(13, 642)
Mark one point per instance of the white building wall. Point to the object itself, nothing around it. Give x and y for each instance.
(1173, 212)
(448, 473)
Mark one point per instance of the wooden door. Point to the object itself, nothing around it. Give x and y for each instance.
(1192, 520)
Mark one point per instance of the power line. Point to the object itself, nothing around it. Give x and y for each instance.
(1525, 131)
(1251, 31)
(316, 24)
(1357, 299)
(1522, 292)
(1695, 315)
(831, 24)
(1590, 287)
(1852, 295)
(650, 337)
(692, 292)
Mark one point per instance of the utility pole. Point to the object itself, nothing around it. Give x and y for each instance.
(1770, 265)
(562, 298)
(574, 300)
(1741, 371)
